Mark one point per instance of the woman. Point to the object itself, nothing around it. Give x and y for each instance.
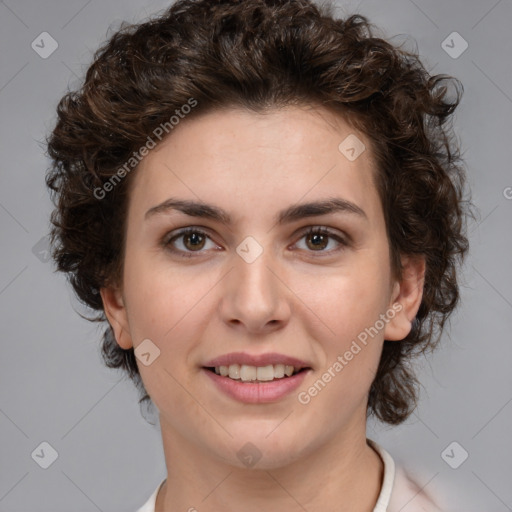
(266, 206)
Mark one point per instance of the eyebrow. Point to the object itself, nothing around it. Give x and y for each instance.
(288, 215)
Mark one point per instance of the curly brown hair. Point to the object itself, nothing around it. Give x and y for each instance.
(260, 55)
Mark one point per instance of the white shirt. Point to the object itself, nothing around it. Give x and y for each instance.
(397, 494)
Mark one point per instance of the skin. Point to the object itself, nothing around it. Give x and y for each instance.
(294, 299)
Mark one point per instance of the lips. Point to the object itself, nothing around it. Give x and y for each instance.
(259, 378)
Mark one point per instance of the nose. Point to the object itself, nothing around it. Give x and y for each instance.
(255, 298)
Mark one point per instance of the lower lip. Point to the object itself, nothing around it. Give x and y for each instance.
(257, 392)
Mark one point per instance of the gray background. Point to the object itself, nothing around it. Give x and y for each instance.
(53, 386)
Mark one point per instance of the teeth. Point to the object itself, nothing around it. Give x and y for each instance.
(265, 372)
(234, 371)
(279, 371)
(247, 373)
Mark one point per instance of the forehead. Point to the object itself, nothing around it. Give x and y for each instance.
(251, 161)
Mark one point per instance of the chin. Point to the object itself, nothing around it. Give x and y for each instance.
(252, 447)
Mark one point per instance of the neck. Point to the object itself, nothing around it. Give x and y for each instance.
(345, 472)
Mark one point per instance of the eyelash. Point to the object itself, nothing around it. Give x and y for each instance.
(316, 230)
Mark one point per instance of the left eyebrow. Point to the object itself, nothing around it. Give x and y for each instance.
(322, 207)
(288, 215)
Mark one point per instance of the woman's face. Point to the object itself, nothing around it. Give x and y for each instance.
(249, 287)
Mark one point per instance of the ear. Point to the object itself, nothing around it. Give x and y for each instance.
(406, 298)
(115, 311)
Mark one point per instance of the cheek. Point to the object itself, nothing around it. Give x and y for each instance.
(351, 347)
(159, 296)
(350, 305)
(165, 307)
(172, 308)
(347, 301)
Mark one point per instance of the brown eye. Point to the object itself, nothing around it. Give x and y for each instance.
(194, 240)
(187, 241)
(317, 239)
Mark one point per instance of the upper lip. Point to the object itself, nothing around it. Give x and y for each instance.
(256, 360)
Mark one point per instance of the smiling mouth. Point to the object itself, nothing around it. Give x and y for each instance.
(255, 374)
